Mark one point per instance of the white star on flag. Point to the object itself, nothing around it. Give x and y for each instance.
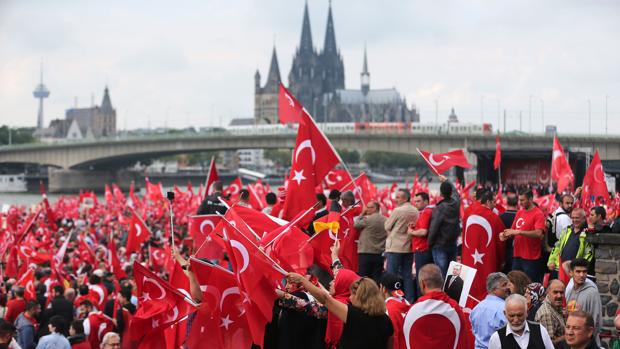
(299, 176)
(226, 321)
(477, 257)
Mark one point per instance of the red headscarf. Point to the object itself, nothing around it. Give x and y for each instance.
(342, 286)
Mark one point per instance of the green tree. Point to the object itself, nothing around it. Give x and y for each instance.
(382, 159)
(18, 135)
(349, 156)
(279, 157)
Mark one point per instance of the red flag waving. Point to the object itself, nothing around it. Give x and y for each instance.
(594, 185)
(113, 262)
(308, 169)
(482, 249)
(362, 188)
(437, 321)
(336, 179)
(138, 233)
(560, 169)
(27, 282)
(289, 109)
(440, 163)
(211, 177)
(232, 190)
(498, 154)
(200, 228)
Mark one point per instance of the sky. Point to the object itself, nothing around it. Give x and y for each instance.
(192, 63)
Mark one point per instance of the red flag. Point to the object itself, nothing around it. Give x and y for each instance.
(138, 233)
(33, 256)
(109, 198)
(560, 169)
(256, 200)
(200, 228)
(498, 154)
(546, 203)
(51, 217)
(221, 314)
(337, 179)
(313, 158)
(440, 163)
(231, 192)
(113, 262)
(158, 256)
(211, 178)
(362, 188)
(27, 282)
(437, 321)
(153, 191)
(482, 249)
(289, 109)
(257, 275)
(594, 185)
(118, 193)
(160, 304)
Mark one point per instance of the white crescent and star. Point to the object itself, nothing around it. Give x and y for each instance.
(431, 159)
(162, 292)
(329, 181)
(290, 100)
(303, 145)
(481, 221)
(299, 176)
(431, 306)
(519, 223)
(205, 223)
(599, 175)
(244, 254)
(138, 229)
(227, 292)
(99, 292)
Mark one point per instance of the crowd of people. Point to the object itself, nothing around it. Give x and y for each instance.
(66, 285)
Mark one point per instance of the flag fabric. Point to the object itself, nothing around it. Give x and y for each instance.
(498, 154)
(289, 108)
(482, 248)
(440, 163)
(308, 169)
(200, 228)
(138, 233)
(113, 262)
(594, 184)
(337, 179)
(231, 192)
(212, 176)
(153, 191)
(363, 189)
(437, 321)
(27, 282)
(560, 169)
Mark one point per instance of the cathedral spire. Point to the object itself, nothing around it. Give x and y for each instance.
(106, 104)
(330, 35)
(305, 45)
(365, 68)
(365, 75)
(273, 78)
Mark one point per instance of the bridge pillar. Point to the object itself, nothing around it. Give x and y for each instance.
(72, 181)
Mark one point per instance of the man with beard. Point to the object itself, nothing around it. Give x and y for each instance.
(519, 333)
(550, 312)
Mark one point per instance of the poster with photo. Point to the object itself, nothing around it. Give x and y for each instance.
(458, 282)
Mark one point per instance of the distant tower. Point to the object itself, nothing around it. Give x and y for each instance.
(365, 75)
(452, 118)
(41, 92)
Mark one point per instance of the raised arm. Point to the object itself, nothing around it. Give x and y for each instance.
(322, 296)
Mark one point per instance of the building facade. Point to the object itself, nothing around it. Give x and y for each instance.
(317, 80)
(95, 122)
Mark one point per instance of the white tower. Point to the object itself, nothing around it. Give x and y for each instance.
(40, 92)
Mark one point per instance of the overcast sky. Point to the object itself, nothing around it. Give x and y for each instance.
(191, 63)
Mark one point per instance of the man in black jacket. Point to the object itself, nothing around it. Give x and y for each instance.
(59, 305)
(444, 229)
(211, 203)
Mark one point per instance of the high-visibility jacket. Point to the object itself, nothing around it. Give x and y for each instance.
(585, 250)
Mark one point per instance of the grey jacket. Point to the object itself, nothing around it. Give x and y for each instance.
(445, 226)
(588, 299)
(372, 233)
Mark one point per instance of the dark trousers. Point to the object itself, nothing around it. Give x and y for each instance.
(400, 264)
(442, 256)
(370, 265)
(533, 268)
(421, 259)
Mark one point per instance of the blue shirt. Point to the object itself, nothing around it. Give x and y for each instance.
(53, 341)
(486, 318)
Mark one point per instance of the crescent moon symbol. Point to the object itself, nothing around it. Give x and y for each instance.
(481, 221)
(173, 316)
(212, 290)
(328, 179)
(227, 292)
(99, 292)
(204, 223)
(431, 306)
(236, 188)
(244, 253)
(138, 229)
(599, 170)
(162, 292)
(519, 223)
(431, 159)
(305, 144)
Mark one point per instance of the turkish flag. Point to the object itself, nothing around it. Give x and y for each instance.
(258, 277)
(158, 256)
(437, 321)
(138, 233)
(482, 249)
(260, 223)
(440, 163)
(293, 251)
(362, 188)
(594, 185)
(546, 203)
(337, 179)
(51, 216)
(113, 262)
(26, 253)
(200, 228)
(231, 192)
(498, 154)
(160, 304)
(211, 177)
(307, 169)
(289, 109)
(153, 191)
(560, 169)
(27, 282)
(109, 198)
(220, 321)
(256, 200)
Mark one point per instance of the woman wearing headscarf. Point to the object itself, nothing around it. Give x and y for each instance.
(535, 294)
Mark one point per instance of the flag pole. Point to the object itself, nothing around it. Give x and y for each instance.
(427, 162)
(291, 224)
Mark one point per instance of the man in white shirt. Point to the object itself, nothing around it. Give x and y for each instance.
(561, 216)
(519, 332)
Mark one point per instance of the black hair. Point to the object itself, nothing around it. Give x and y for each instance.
(94, 279)
(480, 192)
(244, 194)
(86, 303)
(579, 262)
(512, 200)
(59, 289)
(19, 291)
(322, 198)
(83, 290)
(78, 326)
(271, 198)
(528, 194)
(32, 305)
(445, 189)
(59, 323)
(6, 328)
(487, 196)
(423, 195)
(600, 210)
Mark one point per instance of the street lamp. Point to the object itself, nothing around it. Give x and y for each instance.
(542, 113)
(606, 98)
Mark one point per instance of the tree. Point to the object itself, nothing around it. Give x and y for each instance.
(279, 157)
(349, 156)
(382, 159)
(18, 135)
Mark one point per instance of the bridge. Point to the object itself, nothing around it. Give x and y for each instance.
(116, 153)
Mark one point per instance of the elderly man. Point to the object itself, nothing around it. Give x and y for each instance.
(371, 242)
(398, 242)
(488, 316)
(550, 312)
(111, 340)
(519, 333)
(579, 332)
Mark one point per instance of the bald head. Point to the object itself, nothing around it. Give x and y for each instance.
(430, 276)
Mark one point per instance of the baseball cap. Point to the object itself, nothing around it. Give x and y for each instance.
(393, 283)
